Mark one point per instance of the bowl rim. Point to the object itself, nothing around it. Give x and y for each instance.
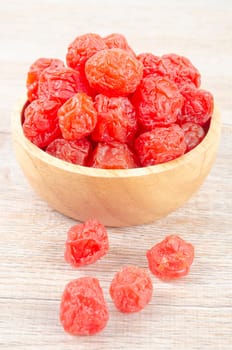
(106, 173)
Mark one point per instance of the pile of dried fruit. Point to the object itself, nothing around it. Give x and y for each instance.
(83, 310)
(111, 109)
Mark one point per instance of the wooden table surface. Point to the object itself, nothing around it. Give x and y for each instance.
(192, 313)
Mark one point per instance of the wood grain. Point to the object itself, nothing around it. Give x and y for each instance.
(192, 313)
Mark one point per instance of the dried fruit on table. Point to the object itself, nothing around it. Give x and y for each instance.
(158, 102)
(75, 152)
(119, 41)
(113, 72)
(116, 119)
(58, 84)
(197, 107)
(86, 243)
(77, 117)
(193, 135)
(170, 258)
(113, 155)
(82, 48)
(34, 73)
(83, 310)
(160, 145)
(131, 289)
(40, 123)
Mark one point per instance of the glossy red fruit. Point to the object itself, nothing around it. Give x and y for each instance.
(193, 135)
(34, 73)
(82, 48)
(116, 119)
(170, 258)
(75, 152)
(40, 123)
(113, 155)
(197, 107)
(158, 102)
(58, 84)
(86, 243)
(83, 310)
(160, 145)
(118, 41)
(114, 72)
(131, 289)
(77, 117)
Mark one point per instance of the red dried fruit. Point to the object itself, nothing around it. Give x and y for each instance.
(113, 155)
(113, 72)
(86, 243)
(131, 289)
(158, 102)
(118, 41)
(83, 310)
(77, 117)
(75, 152)
(58, 84)
(151, 65)
(197, 107)
(34, 73)
(116, 119)
(82, 48)
(160, 145)
(193, 135)
(40, 124)
(170, 258)
(180, 69)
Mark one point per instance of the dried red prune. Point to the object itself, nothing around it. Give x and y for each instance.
(116, 119)
(82, 48)
(118, 41)
(197, 107)
(160, 145)
(40, 124)
(170, 258)
(113, 72)
(193, 135)
(83, 310)
(58, 84)
(131, 289)
(113, 155)
(75, 152)
(34, 73)
(158, 102)
(86, 243)
(77, 117)
(151, 65)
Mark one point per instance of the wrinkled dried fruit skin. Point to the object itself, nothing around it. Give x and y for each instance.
(34, 73)
(83, 310)
(197, 107)
(158, 102)
(77, 117)
(160, 145)
(170, 258)
(114, 72)
(113, 155)
(82, 48)
(131, 289)
(40, 124)
(193, 135)
(117, 41)
(180, 70)
(58, 84)
(86, 243)
(151, 65)
(75, 152)
(116, 119)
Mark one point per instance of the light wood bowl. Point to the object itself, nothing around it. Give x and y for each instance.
(115, 197)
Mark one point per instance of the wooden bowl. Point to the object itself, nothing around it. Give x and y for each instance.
(115, 197)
